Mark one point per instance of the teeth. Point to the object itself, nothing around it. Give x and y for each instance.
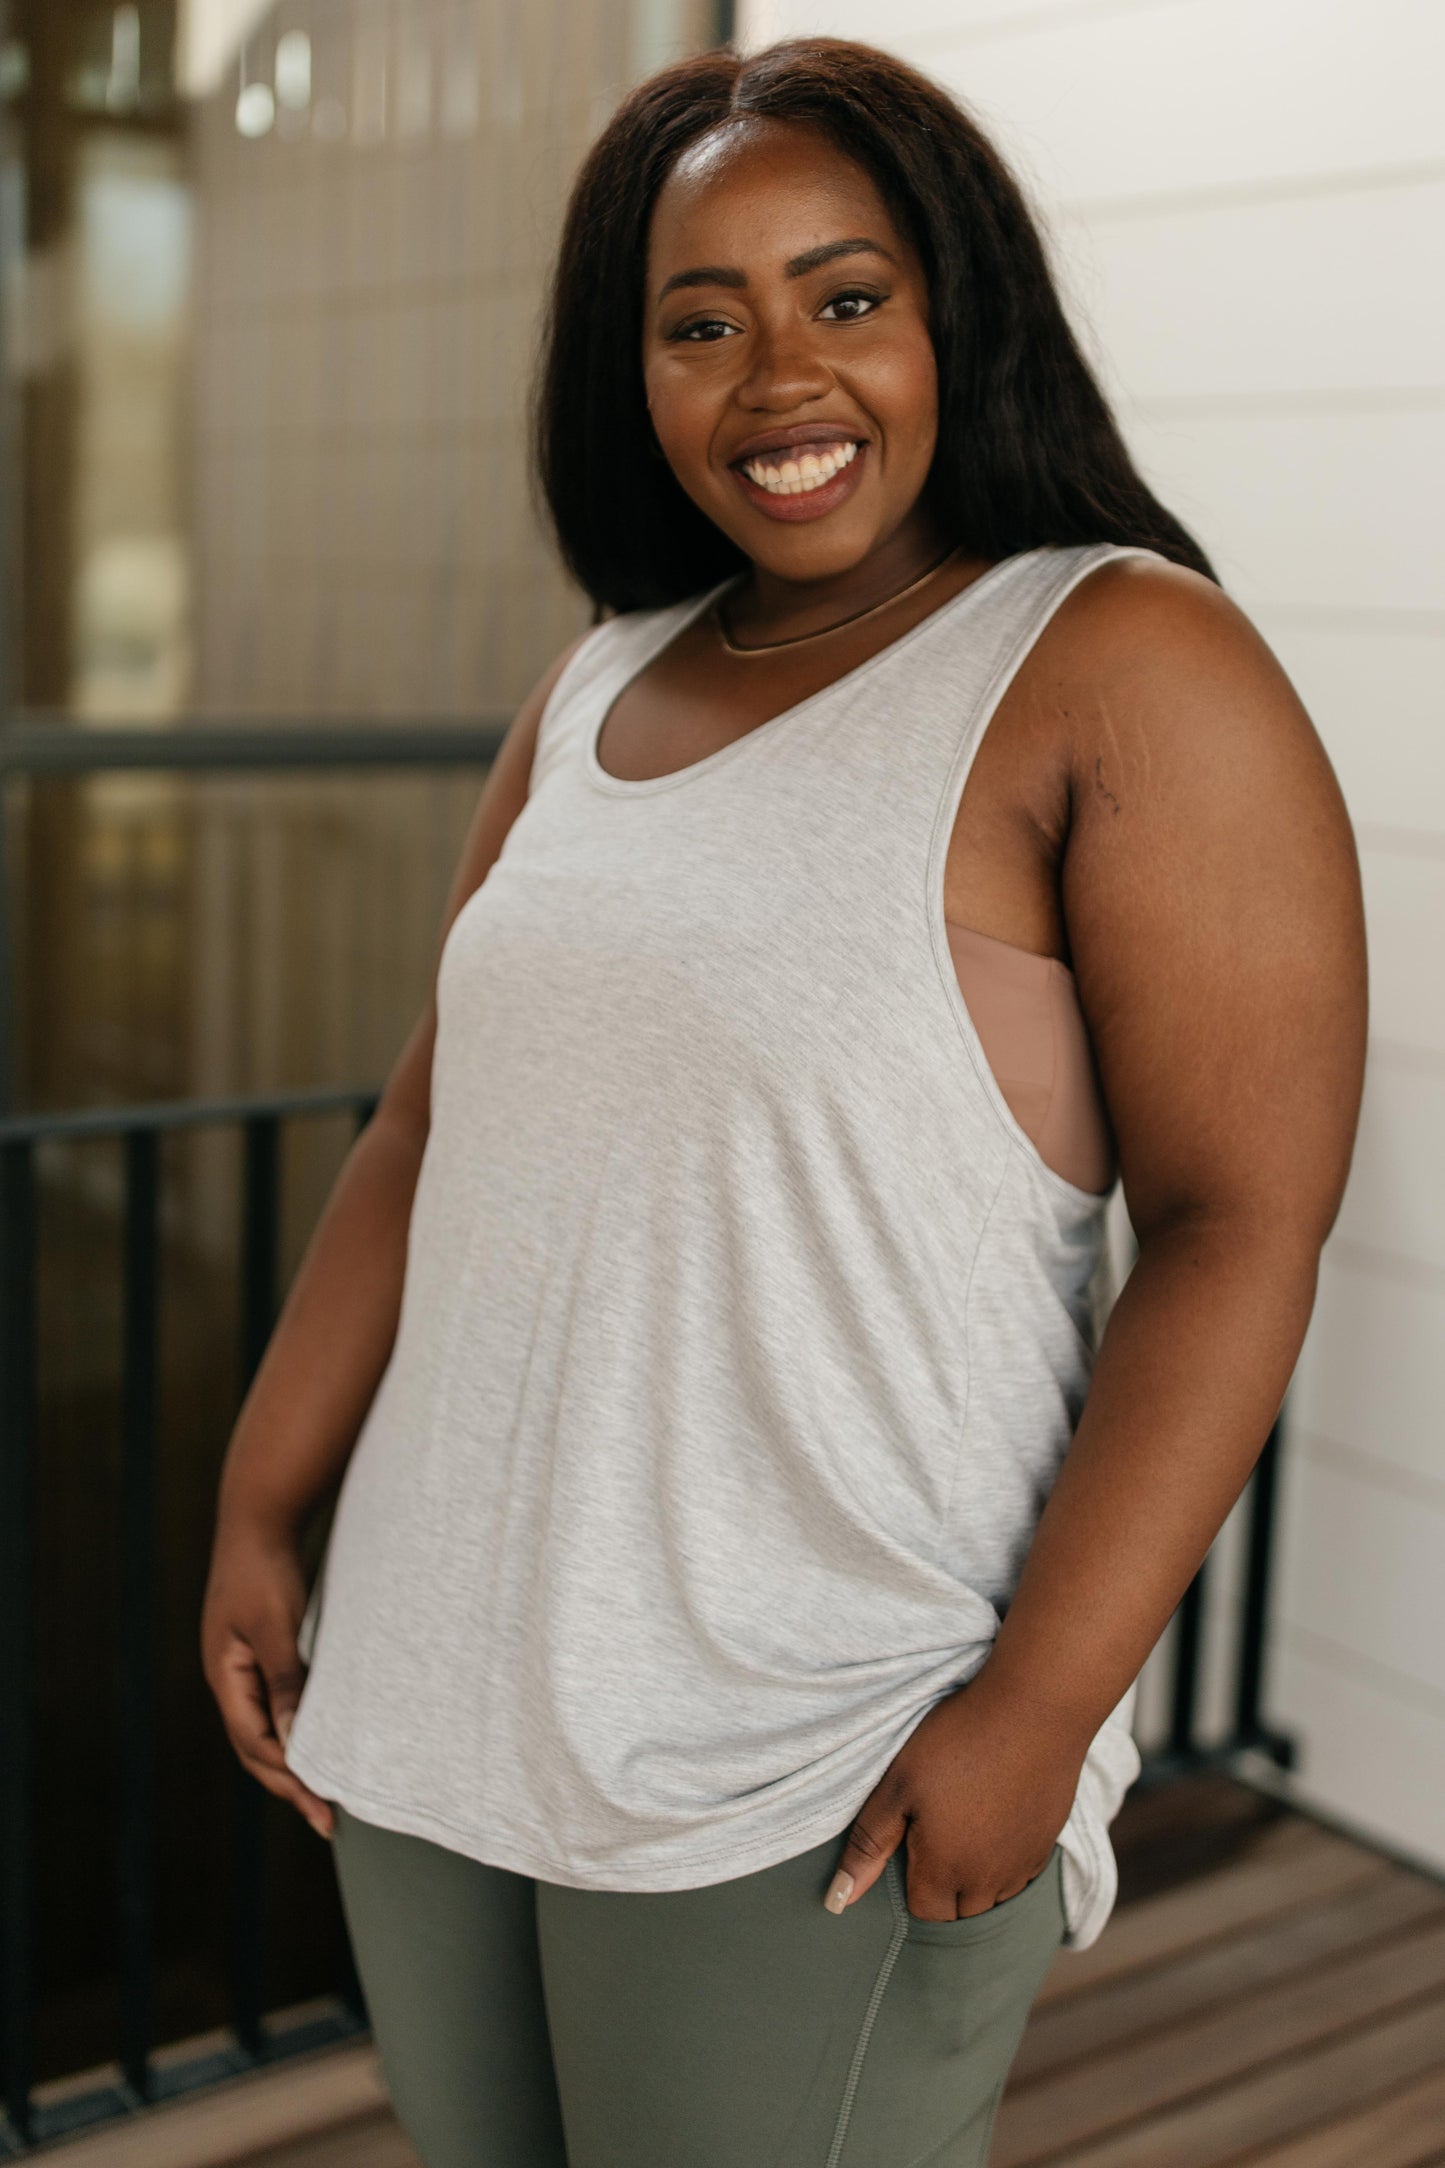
(795, 477)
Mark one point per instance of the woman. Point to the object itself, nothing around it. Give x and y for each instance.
(719, 1680)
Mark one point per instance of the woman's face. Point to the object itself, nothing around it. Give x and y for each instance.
(786, 352)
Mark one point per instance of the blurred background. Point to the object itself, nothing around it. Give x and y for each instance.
(271, 583)
(269, 286)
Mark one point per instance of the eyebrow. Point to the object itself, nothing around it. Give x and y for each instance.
(712, 274)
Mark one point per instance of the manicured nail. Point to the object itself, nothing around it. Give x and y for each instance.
(839, 1891)
(283, 1726)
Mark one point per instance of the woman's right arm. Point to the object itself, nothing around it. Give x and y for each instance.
(327, 1354)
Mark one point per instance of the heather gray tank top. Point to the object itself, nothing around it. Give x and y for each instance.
(743, 1328)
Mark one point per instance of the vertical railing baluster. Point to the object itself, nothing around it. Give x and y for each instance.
(247, 1868)
(1187, 1651)
(261, 1216)
(19, 1428)
(137, 1642)
(1254, 1623)
(348, 1987)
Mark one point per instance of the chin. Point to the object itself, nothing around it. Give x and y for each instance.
(803, 553)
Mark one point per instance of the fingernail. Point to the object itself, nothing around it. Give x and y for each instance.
(283, 1726)
(320, 1828)
(839, 1891)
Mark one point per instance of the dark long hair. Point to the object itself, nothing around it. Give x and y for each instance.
(1028, 450)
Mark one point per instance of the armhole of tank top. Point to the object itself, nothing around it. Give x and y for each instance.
(1017, 647)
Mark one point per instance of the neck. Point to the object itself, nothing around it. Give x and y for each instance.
(768, 606)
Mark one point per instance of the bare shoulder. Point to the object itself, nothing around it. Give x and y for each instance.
(1152, 598)
(1162, 676)
(1190, 750)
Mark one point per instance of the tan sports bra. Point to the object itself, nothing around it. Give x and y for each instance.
(1025, 1009)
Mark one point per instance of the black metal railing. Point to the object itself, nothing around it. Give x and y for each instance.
(51, 748)
(34, 747)
(140, 1130)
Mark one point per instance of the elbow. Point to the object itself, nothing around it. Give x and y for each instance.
(1283, 1234)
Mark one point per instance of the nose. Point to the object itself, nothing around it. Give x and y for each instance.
(785, 368)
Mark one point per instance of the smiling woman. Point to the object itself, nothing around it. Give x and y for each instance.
(720, 1676)
(840, 327)
(777, 466)
(921, 250)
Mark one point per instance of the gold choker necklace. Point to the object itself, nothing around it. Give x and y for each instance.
(766, 647)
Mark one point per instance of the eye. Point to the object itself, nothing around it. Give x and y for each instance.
(854, 294)
(698, 328)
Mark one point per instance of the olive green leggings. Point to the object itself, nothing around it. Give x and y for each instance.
(521, 2024)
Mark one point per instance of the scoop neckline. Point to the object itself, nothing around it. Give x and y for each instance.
(644, 786)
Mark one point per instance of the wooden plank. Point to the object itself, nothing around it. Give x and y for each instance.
(1168, 1834)
(1148, 2076)
(1401, 2131)
(1156, 1997)
(1281, 2101)
(239, 2119)
(1293, 1863)
(378, 2142)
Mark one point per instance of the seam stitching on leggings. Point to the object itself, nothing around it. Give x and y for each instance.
(994, 2107)
(865, 2030)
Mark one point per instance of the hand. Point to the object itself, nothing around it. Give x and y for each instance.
(254, 1602)
(981, 1789)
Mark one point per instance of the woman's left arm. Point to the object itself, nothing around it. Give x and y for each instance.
(1212, 896)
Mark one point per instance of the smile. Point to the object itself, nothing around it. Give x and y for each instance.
(802, 482)
(785, 477)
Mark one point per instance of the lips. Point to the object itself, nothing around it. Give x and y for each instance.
(798, 433)
(794, 497)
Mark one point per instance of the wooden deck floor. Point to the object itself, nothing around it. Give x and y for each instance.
(1267, 1992)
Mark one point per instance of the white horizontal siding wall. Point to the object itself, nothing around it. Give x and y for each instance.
(1246, 203)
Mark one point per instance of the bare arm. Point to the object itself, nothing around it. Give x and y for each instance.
(1212, 895)
(325, 1358)
(1213, 900)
